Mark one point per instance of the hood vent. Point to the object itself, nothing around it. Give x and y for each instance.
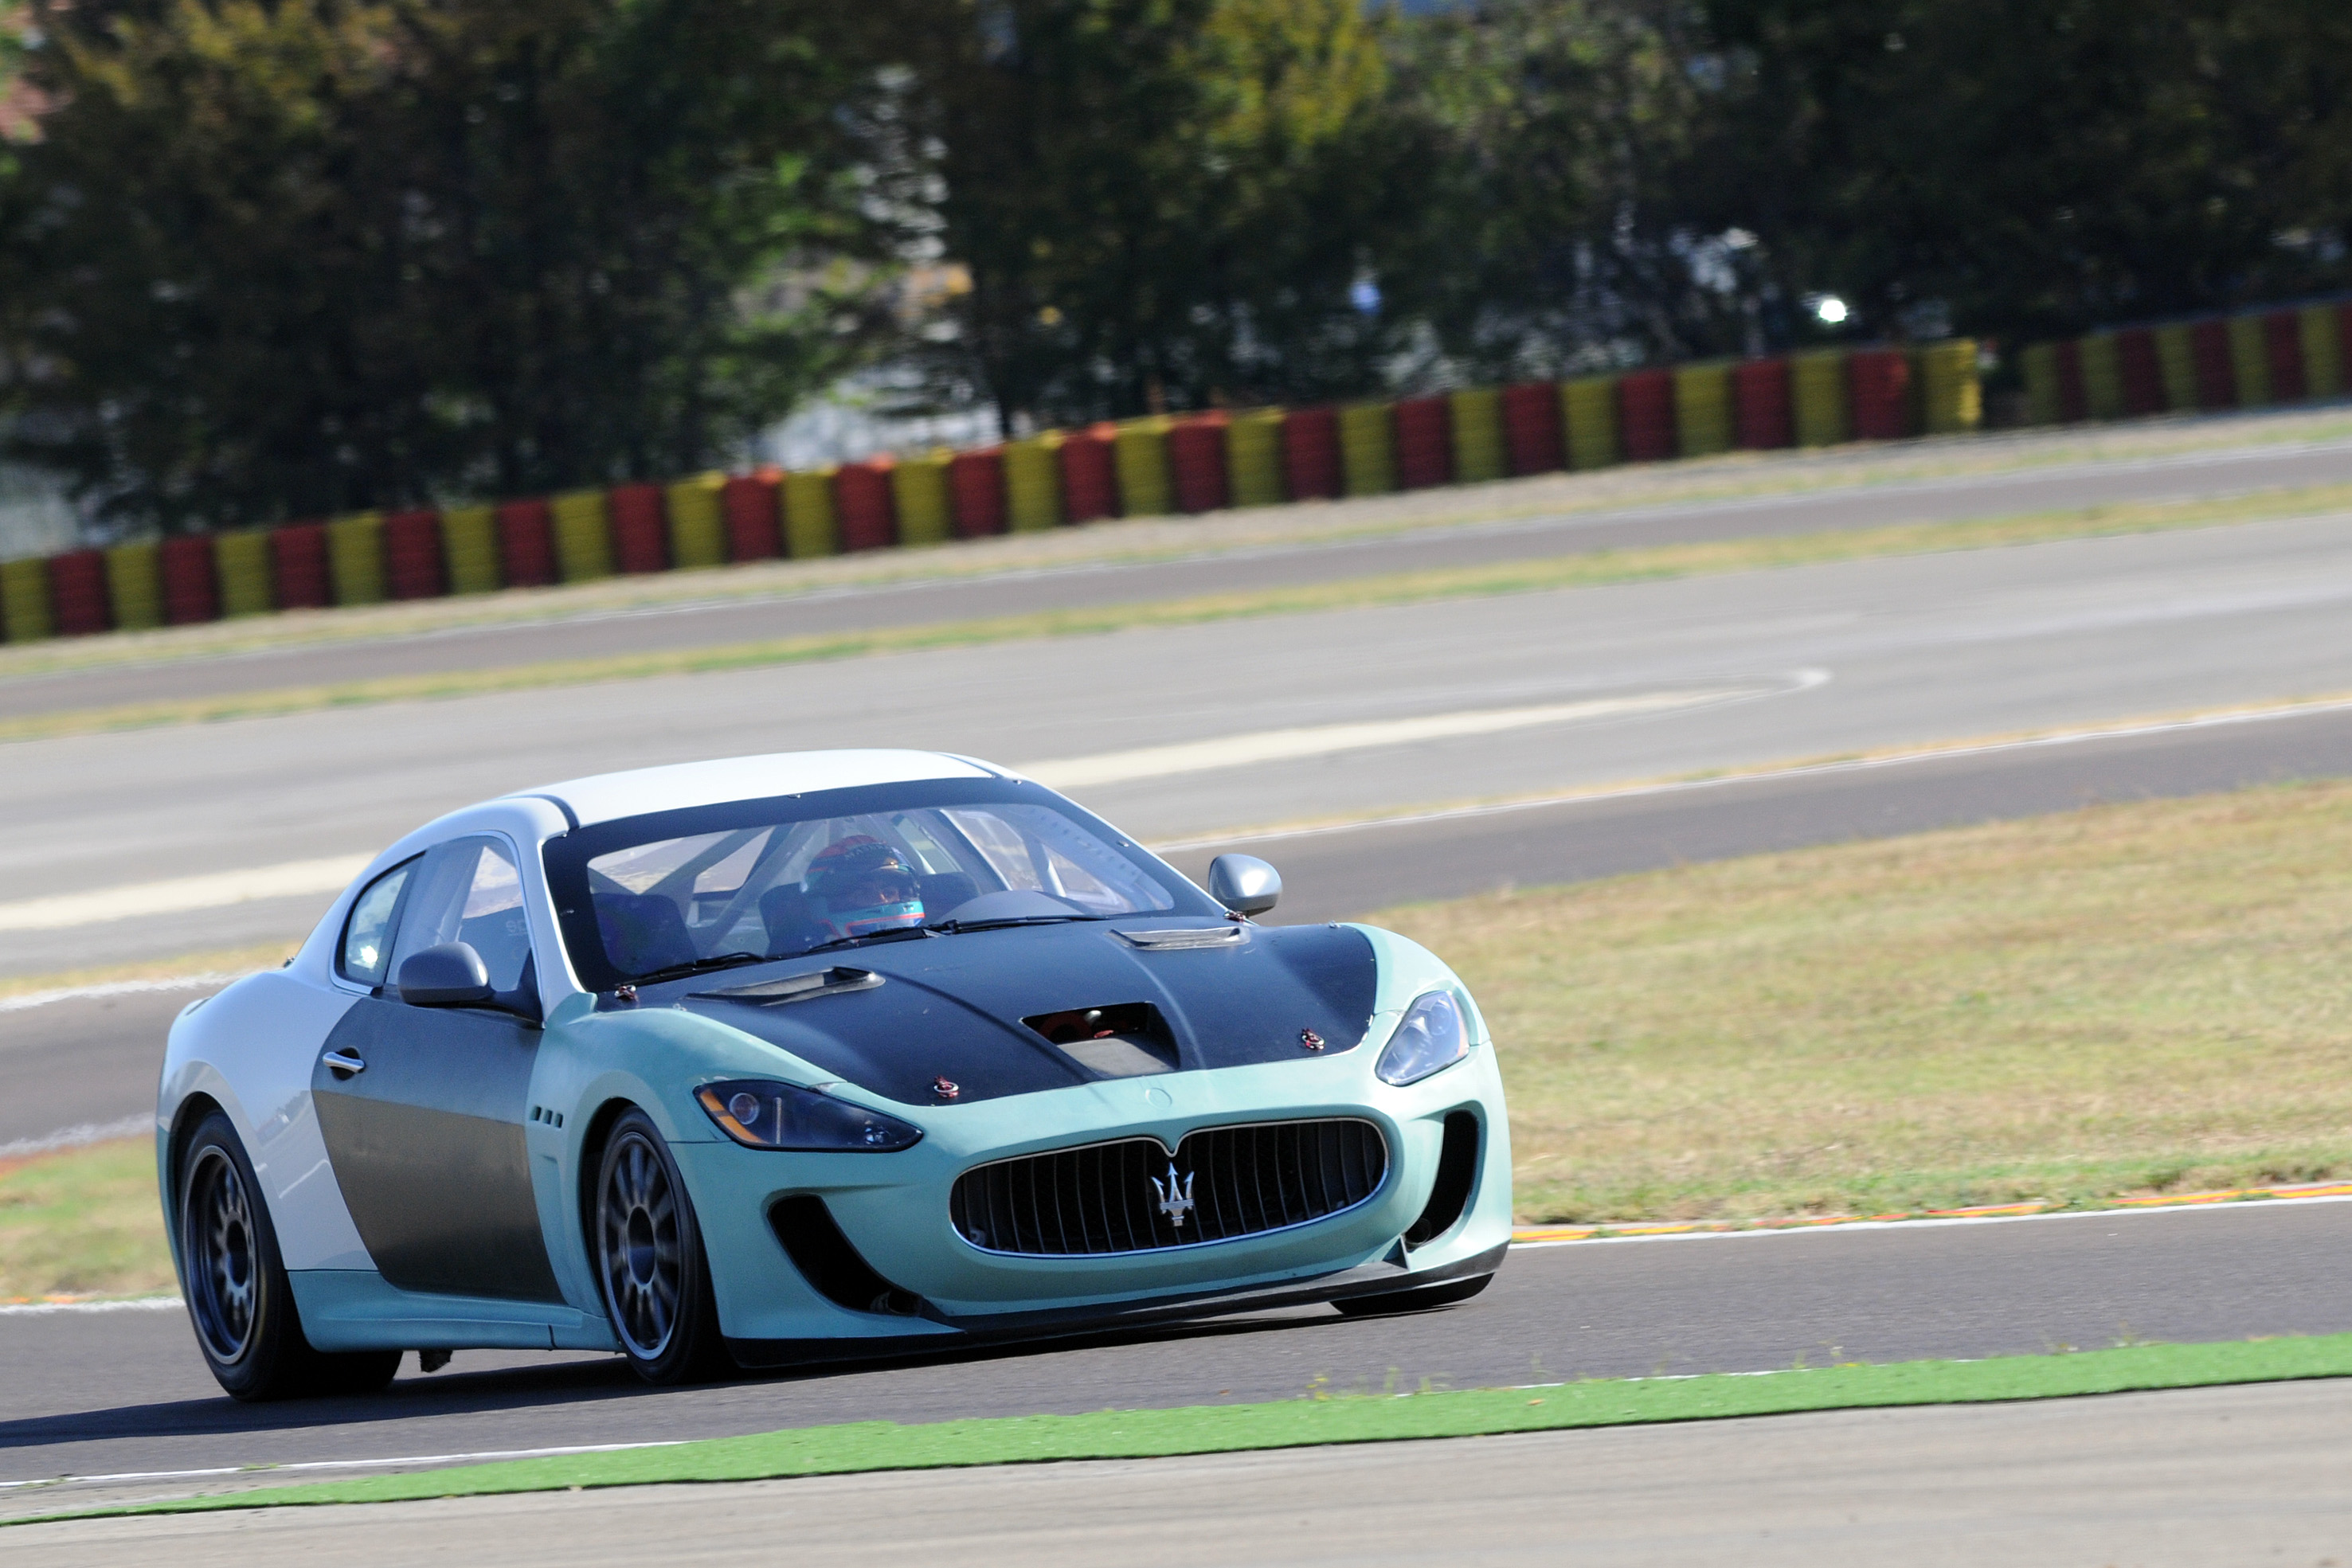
(1125, 1040)
(1184, 937)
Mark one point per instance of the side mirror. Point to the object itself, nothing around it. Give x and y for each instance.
(449, 976)
(1243, 884)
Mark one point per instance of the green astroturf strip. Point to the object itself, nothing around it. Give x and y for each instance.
(1341, 1419)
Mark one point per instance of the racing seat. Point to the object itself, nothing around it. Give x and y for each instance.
(784, 911)
(643, 932)
(942, 892)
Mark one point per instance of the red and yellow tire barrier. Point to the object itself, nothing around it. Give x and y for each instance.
(2249, 360)
(1762, 419)
(527, 543)
(1646, 415)
(241, 569)
(1368, 464)
(1479, 456)
(355, 558)
(2322, 350)
(2283, 352)
(812, 513)
(1089, 475)
(134, 586)
(1532, 430)
(1588, 419)
(470, 547)
(639, 529)
(1196, 463)
(2142, 371)
(413, 567)
(697, 522)
(298, 565)
(862, 509)
(584, 535)
(919, 499)
(976, 492)
(1424, 442)
(77, 594)
(1703, 410)
(24, 599)
(1951, 396)
(190, 593)
(753, 506)
(2103, 376)
(2176, 359)
(1139, 454)
(1032, 482)
(2039, 367)
(1880, 383)
(2217, 377)
(1254, 458)
(1817, 392)
(1311, 468)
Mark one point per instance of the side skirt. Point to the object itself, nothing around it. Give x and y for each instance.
(355, 1309)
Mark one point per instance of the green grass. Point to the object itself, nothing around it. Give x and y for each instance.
(1366, 1418)
(83, 1222)
(1542, 575)
(2120, 1001)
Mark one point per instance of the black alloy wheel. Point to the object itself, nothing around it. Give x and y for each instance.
(649, 1259)
(239, 1299)
(1428, 1298)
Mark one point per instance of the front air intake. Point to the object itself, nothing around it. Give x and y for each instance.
(1222, 1183)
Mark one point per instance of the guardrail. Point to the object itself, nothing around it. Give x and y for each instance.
(2255, 359)
(1141, 468)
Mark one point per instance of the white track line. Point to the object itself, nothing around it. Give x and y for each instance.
(486, 1457)
(183, 893)
(77, 1136)
(134, 1304)
(112, 988)
(1766, 774)
(1847, 1227)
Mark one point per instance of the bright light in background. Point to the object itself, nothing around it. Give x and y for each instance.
(1829, 309)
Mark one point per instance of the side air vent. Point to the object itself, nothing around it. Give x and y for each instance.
(813, 1242)
(1127, 1040)
(1457, 1175)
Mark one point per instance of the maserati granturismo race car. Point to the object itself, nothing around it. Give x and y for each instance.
(736, 1063)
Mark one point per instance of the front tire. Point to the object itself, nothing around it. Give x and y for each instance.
(650, 1264)
(239, 1301)
(1428, 1298)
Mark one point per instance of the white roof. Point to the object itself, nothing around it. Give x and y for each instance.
(607, 795)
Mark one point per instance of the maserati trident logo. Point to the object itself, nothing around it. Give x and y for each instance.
(1175, 1196)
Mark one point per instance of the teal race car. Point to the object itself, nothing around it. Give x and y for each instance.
(742, 1063)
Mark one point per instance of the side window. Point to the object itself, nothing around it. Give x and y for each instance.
(366, 954)
(468, 891)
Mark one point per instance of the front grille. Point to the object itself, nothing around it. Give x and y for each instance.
(1119, 1197)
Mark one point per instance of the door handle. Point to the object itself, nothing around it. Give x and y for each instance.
(344, 1064)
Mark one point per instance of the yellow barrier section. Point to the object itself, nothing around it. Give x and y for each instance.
(1367, 449)
(1817, 393)
(24, 599)
(2250, 359)
(1588, 417)
(1140, 454)
(469, 545)
(1478, 452)
(918, 488)
(809, 526)
(1703, 408)
(698, 521)
(1951, 396)
(134, 586)
(2039, 364)
(1254, 458)
(355, 558)
(1032, 482)
(2103, 376)
(584, 535)
(241, 567)
(2176, 362)
(2322, 350)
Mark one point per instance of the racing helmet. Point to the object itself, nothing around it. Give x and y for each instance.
(862, 886)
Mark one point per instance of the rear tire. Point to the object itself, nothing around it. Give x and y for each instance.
(1428, 1298)
(650, 1265)
(239, 1301)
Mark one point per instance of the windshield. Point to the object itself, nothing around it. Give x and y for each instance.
(678, 891)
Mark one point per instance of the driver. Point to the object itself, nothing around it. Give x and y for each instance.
(862, 886)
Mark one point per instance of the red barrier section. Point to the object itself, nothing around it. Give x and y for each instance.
(2344, 342)
(191, 592)
(527, 543)
(754, 523)
(413, 567)
(1196, 463)
(1762, 418)
(78, 592)
(640, 528)
(1646, 415)
(298, 563)
(2283, 345)
(1531, 427)
(1424, 442)
(976, 492)
(2217, 378)
(861, 505)
(2141, 371)
(2074, 397)
(1310, 453)
(1880, 383)
(1089, 477)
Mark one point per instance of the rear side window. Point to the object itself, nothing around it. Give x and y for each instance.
(366, 953)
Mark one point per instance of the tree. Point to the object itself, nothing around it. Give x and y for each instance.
(286, 258)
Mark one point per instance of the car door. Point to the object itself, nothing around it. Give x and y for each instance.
(423, 1108)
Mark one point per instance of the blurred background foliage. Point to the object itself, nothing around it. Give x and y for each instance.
(274, 259)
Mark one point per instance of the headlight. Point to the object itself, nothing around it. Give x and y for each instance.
(762, 1115)
(1430, 1039)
